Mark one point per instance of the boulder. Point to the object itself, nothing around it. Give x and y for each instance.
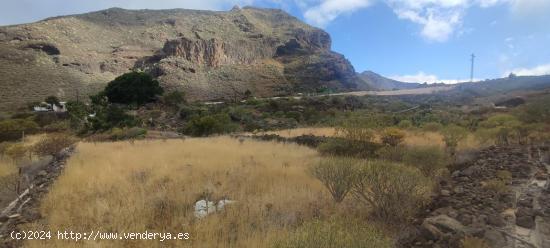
(446, 224)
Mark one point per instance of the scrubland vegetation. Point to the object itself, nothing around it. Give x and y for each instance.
(373, 167)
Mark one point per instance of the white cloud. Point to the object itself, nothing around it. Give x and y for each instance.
(534, 71)
(328, 10)
(529, 8)
(422, 77)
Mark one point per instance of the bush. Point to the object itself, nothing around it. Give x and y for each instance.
(335, 234)
(432, 126)
(392, 136)
(16, 151)
(355, 130)
(504, 175)
(348, 148)
(174, 98)
(127, 133)
(405, 124)
(78, 112)
(133, 88)
(496, 186)
(393, 192)
(337, 174)
(53, 144)
(13, 129)
(391, 153)
(210, 124)
(428, 159)
(452, 135)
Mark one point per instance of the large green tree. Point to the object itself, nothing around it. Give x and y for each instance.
(133, 88)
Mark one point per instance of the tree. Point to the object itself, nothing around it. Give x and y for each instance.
(78, 112)
(133, 88)
(52, 100)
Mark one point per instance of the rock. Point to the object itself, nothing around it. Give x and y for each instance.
(446, 224)
(496, 220)
(465, 219)
(430, 232)
(494, 238)
(525, 221)
(4, 218)
(445, 193)
(42, 173)
(458, 189)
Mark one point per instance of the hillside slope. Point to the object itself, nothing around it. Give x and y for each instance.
(379, 82)
(209, 54)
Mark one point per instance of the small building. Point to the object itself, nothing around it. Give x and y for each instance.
(46, 107)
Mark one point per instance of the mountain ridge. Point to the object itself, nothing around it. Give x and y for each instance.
(207, 54)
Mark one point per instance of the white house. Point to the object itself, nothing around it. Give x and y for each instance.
(45, 107)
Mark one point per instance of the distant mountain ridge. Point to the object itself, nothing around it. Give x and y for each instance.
(207, 54)
(379, 82)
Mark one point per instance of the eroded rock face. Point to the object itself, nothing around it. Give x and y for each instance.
(208, 54)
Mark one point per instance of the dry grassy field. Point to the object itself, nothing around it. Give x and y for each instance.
(153, 186)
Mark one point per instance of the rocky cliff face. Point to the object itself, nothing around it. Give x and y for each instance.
(208, 54)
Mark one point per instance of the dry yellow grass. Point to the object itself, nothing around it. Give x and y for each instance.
(7, 166)
(153, 185)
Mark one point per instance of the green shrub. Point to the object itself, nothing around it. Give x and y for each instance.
(391, 153)
(78, 112)
(337, 174)
(405, 124)
(356, 130)
(13, 129)
(335, 234)
(133, 88)
(393, 192)
(504, 175)
(127, 133)
(174, 98)
(496, 186)
(59, 126)
(210, 124)
(432, 126)
(348, 148)
(428, 159)
(452, 135)
(392, 136)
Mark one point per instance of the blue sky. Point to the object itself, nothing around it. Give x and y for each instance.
(409, 40)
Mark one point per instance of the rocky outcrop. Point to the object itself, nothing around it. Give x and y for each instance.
(208, 54)
(514, 216)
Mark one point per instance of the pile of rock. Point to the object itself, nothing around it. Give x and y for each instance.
(518, 215)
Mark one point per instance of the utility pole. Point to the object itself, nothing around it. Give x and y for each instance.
(472, 68)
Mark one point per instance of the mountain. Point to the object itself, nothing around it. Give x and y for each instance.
(207, 54)
(378, 82)
(499, 87)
